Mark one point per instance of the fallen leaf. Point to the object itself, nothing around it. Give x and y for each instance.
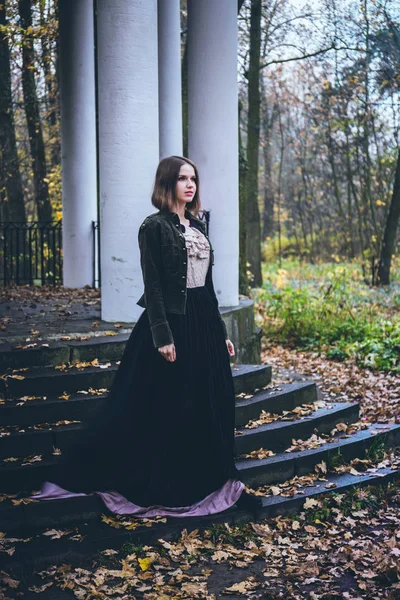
(310, 503)
(144, 563)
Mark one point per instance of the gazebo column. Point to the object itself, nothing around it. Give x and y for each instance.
(213, 131)
(128, 145)
(169, 77)
(78, 140)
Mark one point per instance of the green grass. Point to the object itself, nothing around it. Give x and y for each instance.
(329, 307)
(376, 451)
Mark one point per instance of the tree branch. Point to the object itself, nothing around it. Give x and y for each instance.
(322, 51)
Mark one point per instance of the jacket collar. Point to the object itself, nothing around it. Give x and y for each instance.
(174, 217)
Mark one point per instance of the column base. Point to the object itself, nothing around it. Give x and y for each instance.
(243, 332)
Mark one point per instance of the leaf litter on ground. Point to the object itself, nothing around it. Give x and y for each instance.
(346, 543)
(338, 546)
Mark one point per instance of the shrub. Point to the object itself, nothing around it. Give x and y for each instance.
(329, 307)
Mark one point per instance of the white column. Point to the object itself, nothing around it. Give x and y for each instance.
(213, 131)
(169, 77)
(78, 139)
(128, 145)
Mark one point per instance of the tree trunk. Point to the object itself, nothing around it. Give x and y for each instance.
(269, 200)
(10, 173)
(253, 143)
(185, 110)
(243, 279)
(51, 88)
(301, 217)
(332, 152)
(351, 192)
(366, 125)
(267, 120)
(36, 142)
(389, 236)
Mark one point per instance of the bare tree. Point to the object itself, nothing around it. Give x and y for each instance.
(389, 236)
(13, 197)
(33, 119)
(253, 143)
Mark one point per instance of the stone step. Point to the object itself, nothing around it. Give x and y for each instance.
(50, 513)
(42, 354)
(285, 465)
(280, 505)
(45, 353)
(83, 406)
(41, 551)
(274, 436)
(49, 382)
(255, 472)
(276, 399)
(278, 435)
(23, 444)
(78, 407)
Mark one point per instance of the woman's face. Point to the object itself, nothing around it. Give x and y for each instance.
(186, 184)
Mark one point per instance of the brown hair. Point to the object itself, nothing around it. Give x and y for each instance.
(163, 196)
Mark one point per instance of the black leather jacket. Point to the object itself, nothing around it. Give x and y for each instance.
(163, 259)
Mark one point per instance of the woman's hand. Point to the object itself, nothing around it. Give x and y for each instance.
(168, 352)
(231, 347)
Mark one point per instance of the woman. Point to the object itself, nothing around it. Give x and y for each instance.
(164, 443)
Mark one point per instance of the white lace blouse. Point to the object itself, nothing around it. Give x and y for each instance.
(198, 254)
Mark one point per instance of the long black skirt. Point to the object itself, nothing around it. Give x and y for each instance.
(166, 434)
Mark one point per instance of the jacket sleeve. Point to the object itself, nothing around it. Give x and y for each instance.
(210, 286)
(150, 261)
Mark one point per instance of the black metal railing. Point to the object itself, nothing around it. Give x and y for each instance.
(31, 253)
(96, 255)
(204, 215)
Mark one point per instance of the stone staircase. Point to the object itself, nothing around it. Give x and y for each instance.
(49, 391)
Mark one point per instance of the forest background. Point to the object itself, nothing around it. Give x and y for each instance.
(319, 161)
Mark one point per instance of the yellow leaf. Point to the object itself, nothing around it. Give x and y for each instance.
(144, 563)
(321, 523)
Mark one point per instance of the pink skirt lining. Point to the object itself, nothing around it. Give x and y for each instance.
(216, 502)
